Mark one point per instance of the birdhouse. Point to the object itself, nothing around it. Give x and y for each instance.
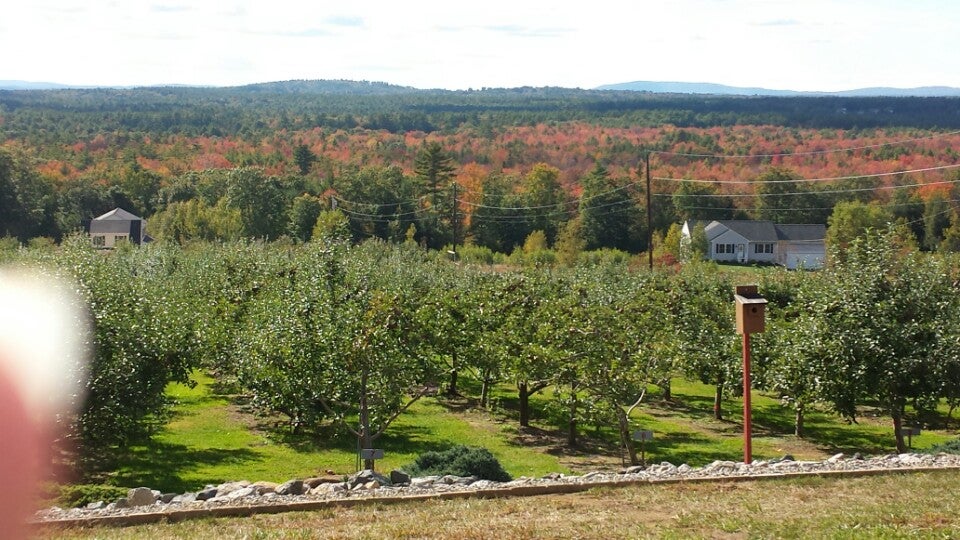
(751, 308)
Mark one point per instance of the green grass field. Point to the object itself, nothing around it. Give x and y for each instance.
(211, 438)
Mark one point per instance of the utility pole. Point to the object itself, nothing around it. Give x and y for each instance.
(649, 215)
(455, 222)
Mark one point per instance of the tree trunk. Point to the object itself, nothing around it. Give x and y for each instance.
(572, 419)
(625, 439)
(524, 398)
(898, 431)
(366, 438)
(717, 400)
(485, 392)
(665, 385)
(452, 389)
(798, 421)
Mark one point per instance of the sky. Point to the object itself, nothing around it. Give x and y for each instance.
(813, 45)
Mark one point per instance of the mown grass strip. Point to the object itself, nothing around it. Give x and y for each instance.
(497, 493)
(209, 441)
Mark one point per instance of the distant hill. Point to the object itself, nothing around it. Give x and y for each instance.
(28, 85)
(325, 87)
(343, 87)
(724, 90)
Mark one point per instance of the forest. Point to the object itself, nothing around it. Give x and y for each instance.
(337, 250)
(485, 168)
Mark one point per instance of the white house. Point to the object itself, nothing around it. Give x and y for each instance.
(743, 241)
(116, 226)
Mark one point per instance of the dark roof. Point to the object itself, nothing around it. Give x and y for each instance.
(800, 233)
(767, 231)
(753, 231)
(117, 214)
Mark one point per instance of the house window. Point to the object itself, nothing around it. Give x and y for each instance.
(120, 238)
(99, 240)
(725, 248)
(768, 248)
(763, 248)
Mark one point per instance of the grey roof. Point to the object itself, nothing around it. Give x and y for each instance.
(117, 214)
(753, 231)
(801, 233)
(767, 231)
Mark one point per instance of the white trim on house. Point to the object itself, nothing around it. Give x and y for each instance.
(744, 241)
(117, 226)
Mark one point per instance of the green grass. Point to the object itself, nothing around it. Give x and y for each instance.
(689, 434)
(210, 439)
(685, 431)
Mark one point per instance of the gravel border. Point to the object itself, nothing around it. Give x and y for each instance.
(340, 495)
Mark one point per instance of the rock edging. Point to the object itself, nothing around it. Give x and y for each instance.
(143, 505)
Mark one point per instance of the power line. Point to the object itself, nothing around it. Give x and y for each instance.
(809, 153)
(531, 217)
(579, 200)
(802, 180)
(417, 200)
(383, 217)
(823, 192)
(733, 210)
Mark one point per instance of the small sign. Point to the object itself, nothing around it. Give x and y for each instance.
(371, 453)
(643, 435)
(910, 431)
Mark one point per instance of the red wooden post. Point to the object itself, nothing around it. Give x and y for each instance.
(747, 421)
(750, 318)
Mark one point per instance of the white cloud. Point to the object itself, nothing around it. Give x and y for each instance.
(815, 44)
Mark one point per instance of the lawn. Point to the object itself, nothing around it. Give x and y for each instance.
(919, 505)
(212, 438)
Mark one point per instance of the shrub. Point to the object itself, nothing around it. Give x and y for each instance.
(459, 461)
(949, 447)
(84, 494)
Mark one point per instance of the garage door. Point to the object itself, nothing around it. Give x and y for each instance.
(807, 261)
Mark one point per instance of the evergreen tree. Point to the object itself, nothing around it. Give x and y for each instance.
(936, 219)
(304, 158)
(610, 217)
(434, 170)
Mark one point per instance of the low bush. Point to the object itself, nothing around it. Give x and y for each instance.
(459, 461)
(84, 494)
(949, 447)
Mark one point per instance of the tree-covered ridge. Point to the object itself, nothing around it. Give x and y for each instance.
(343, 104)
(168, 154)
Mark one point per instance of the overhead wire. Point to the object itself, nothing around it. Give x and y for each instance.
(527, 218)
(822, 192)
(806, 153)
(802, 180)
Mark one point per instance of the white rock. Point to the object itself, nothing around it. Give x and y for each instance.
(249, 491)
(228, 487)
(141, 496)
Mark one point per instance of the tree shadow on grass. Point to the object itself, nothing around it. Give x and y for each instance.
(690, 448)
(849, 440)
(398, 438)
(160, 465)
